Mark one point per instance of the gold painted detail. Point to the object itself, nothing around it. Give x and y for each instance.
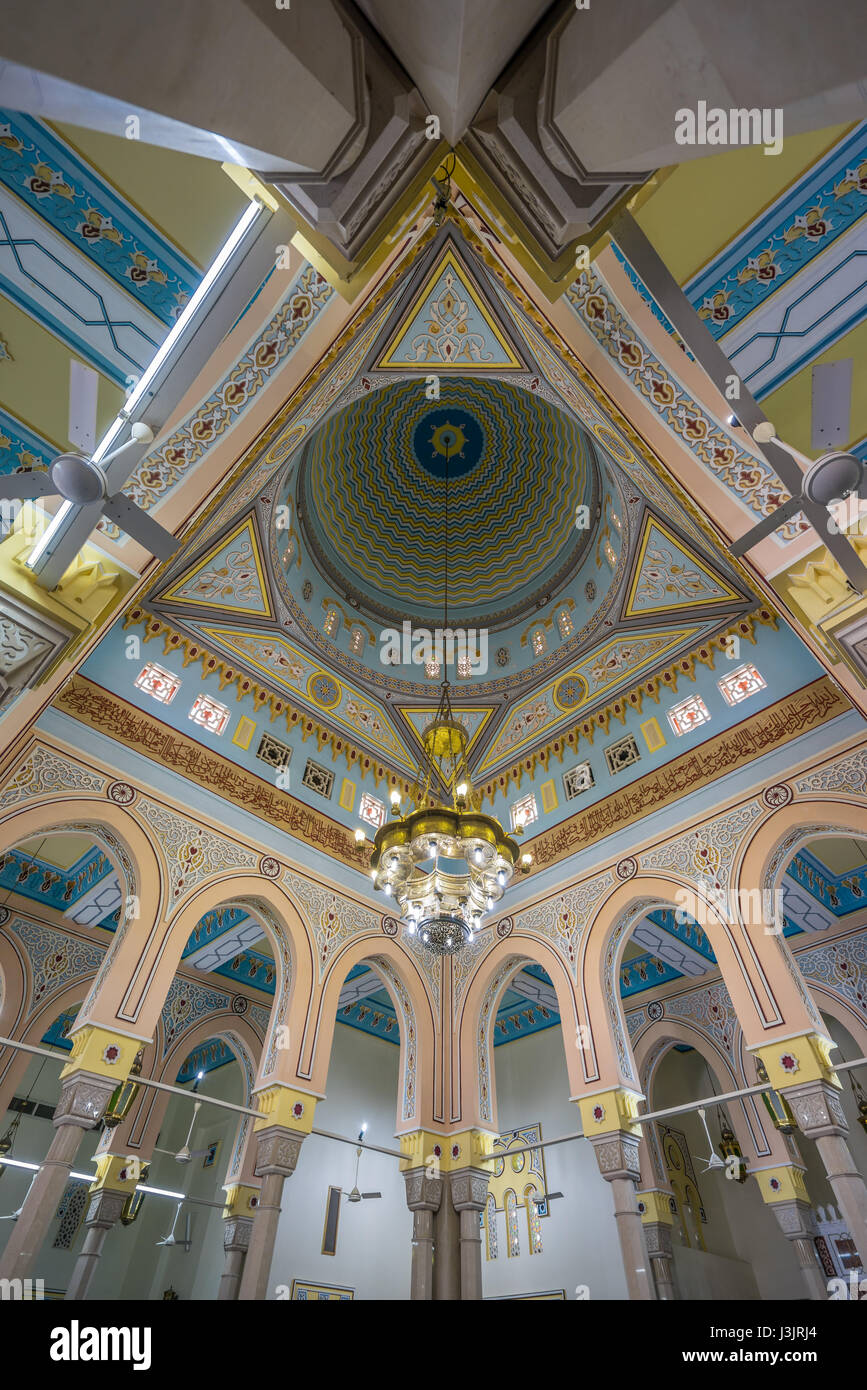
(609, 1112)
(783, 1184)
(212, 665)
(286, 1107)
(798, 1061)
(445, 1153)
(101, 1052)
(657, 1206)
(241, 1200)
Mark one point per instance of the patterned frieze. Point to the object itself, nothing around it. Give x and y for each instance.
(705, 856)
(56, 959)
(44, 771)
(192, 853)
(332, 917)
(564, 918)
(847, 774)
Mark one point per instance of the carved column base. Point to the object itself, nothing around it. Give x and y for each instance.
(276, 1157)
(83, 1099)
(104, 1210)
(617, 1156)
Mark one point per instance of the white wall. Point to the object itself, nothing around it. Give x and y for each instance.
(579, 1239)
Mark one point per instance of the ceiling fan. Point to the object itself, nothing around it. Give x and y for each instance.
(171, 1238)
(714, 1161)
(185, 1154)
(355, 1195)
(816, 484)
(90, 481)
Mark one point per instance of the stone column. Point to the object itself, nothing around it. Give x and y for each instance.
(423, 1197)
(104, 1210)
(654, 1208)
(820, 1116)
(784, 1191)
(276, 1157)
(469, 1192)
(242, 1200)
(608, 1120)
(83, 1099)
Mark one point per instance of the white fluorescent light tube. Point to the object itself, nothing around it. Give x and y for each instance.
(19, 1163)
(160, 1192)
(237, 234)
(47, 535)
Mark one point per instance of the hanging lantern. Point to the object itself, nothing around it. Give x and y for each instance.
(776, 1105)
(730, 1148)
(132, 1205)
(860, 1101)
(123, 1096)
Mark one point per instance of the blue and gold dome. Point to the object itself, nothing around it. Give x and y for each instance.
(371, 489)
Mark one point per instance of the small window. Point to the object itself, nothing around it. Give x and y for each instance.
(432, 670)
(209, 713)
(332, 622)
(163, 685)
(688, 714)
(356, 641)
(579, 780)
(622, 754)
(317, 778)
(372, 810)
(745, 681)
(273, 751)
(564, 624)
(465, 667)
(540, 641)
(525, 811)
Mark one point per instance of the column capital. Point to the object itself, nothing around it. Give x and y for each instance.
(617, 1155)
(286, 1107)
(105, 1208)
(798, 1060)
(423, 1193)
(469, 1189)
(117, 1173)
(236, 1232)
(817, 1109)
(277, 1151)
(83, 1099)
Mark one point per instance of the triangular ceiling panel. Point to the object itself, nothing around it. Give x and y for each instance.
(475, 718)
(450, 325)
(231, 576)
(667, 576)
(290, 669)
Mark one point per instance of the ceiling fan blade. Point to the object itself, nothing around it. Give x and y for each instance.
(831, 405)
(83, 392)
(130, 517)
(767, 525)
(26, 486)
(371, 1194)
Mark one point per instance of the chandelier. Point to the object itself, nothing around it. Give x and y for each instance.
(444, 862)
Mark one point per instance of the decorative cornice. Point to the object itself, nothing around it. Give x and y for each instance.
(338, 743)
(651, 688)
(816, 704)
(143, 734)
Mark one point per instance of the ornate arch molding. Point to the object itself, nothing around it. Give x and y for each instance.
(476, 1100)
(416, 1015)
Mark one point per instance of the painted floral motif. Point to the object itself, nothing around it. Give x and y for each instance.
(44, 771)
(665, 576)
(55, 959)
(233, 576)
(789, 1062)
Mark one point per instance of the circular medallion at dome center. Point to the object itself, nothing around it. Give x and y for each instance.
(371, 492)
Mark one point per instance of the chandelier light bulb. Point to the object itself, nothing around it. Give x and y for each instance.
(388, 890)
(501, 878)
(432, 848)
(395, 796)
(490, 904)
(461, 789)
(478, 856)
(360, 836)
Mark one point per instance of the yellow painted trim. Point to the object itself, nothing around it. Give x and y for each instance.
(110, 1167)
(89, 1045)
(474, 1146)
(548, 793)
(277, 1104)
(243, 735)
(241, 1200)
(250, 185)
(657, 1203)
(791, 1184)
(347, 794)
(811, 1052)
(618, 1108)
(653, 735)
